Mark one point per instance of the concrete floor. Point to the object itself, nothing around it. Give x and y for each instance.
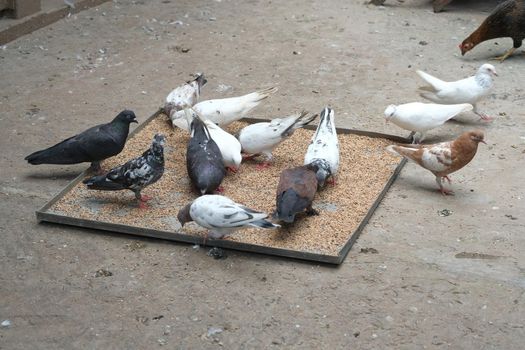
(454, 282)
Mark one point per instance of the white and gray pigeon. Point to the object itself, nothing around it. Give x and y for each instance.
(224, 111)
(184, 96)
(422, 117)
(203, 158)
(228, 144)
(323, 150)
(262, 138)
(92, 145)
(135, 174)
(222, 216)
(468, 90)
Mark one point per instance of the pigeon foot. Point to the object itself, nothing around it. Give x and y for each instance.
(263, 166)
(446, 192)
(249, 156)
(332, 181)
(144, 198)
(231, 169)
(485, 117)
(311, 212)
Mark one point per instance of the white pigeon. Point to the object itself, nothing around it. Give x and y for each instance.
(185, 95)
(422, 117)
(468, 90)
(262, 138)
(229, 145)
(222, 216)
(224, 111)
(323, 150)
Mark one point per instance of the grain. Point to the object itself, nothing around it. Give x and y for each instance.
(365, 168)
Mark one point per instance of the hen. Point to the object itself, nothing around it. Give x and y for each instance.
(507, 20)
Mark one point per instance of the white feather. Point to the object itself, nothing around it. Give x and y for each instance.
(230, 147)
(262, 138)
(221, 215)
(421, 117)
(226, 110)
(468, 90)
(324, 144)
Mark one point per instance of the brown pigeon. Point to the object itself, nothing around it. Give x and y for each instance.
(442, 158)
(295, 192)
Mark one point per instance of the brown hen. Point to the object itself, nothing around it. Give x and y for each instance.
(507, 20)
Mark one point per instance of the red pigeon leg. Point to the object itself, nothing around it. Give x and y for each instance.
(485, 117)
(231, 169)
(220, 189)
(442, 189)
(145, 198)
(249, 156)
(142, 204)
(263, 165)
(332, 181)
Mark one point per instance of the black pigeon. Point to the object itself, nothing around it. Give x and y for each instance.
(136, 174)
(203, 159)
(93, 145)
(295, 192)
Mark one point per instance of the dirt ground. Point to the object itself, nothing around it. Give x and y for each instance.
(448, 282)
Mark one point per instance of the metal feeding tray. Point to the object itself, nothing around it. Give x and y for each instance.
(345, 208)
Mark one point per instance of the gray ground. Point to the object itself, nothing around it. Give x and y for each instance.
(453, 282)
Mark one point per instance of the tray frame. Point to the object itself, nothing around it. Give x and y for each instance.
(43, 214)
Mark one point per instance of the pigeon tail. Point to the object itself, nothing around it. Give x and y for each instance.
(407, 152)
(264, 224)
(261, 94)
(436, 83)
(431, 96)
(52, 155)
(303, 120)
(102, 183)
(39, 157)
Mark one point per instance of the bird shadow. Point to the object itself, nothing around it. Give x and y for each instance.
(54, 175)
(474, 121)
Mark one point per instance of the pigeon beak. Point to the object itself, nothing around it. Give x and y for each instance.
(483, 141)
(134, 121)
(494, 72)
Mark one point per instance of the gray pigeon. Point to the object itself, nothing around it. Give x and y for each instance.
(203, 158)
(296, 192)
(93, 145)
(135, 174)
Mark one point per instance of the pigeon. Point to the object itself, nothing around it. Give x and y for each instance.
(323, 150)
(224, 111)
(468, 90)
(222, 216)
(203, 158)
(422, 117)
(262, 138)
(93, 145)
(228, 144)
(135, 174)
(443, 158)
(295, 192)
(185, 95)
